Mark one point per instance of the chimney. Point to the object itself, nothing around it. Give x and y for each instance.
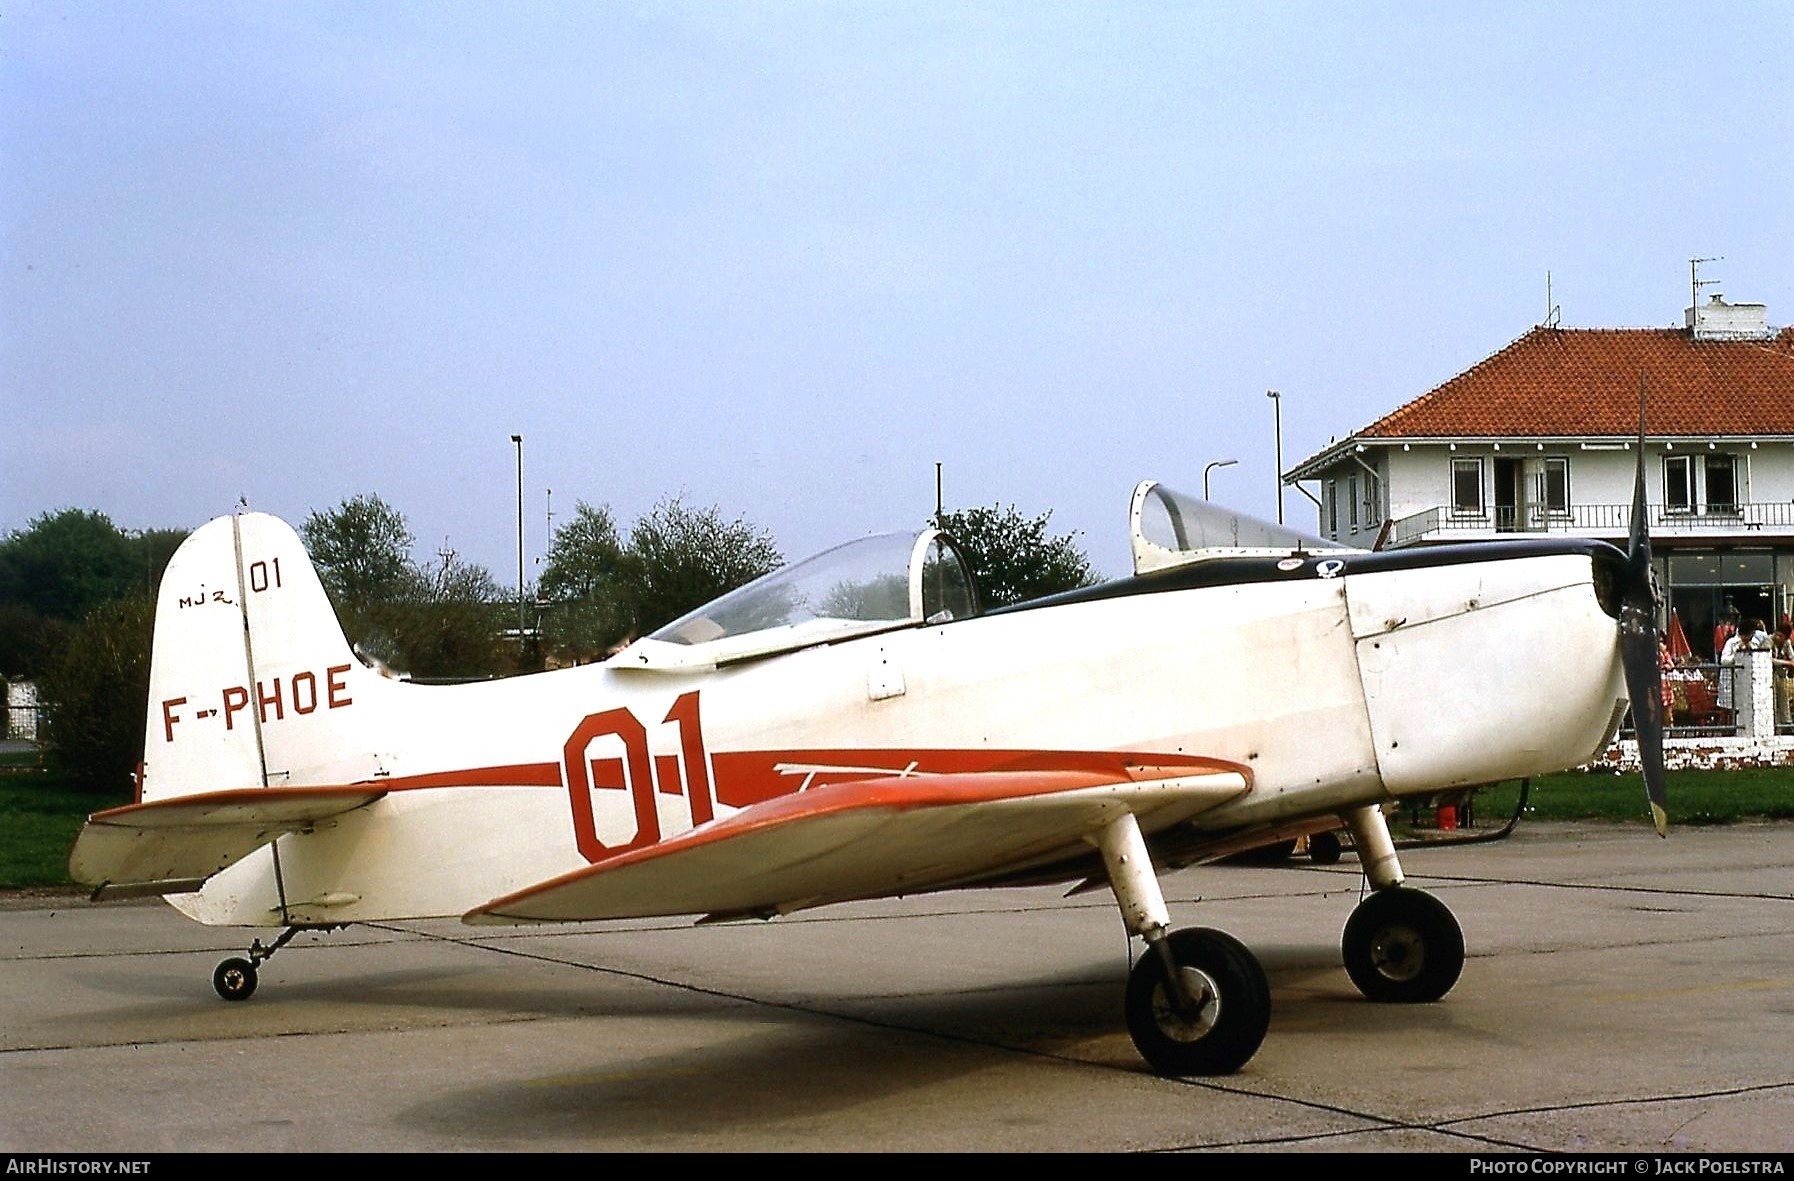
(1719, 320)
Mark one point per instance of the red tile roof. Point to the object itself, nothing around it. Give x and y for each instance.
(1570, 382)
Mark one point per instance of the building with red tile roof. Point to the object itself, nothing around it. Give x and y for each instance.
(1542, 437)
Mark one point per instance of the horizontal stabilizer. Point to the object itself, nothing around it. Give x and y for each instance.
(901, 834)
(173, 845)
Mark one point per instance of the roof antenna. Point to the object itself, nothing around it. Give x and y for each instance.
(1553, 313)
(1695, 283)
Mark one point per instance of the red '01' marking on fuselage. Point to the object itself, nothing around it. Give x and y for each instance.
(304, 693)
(638, 771)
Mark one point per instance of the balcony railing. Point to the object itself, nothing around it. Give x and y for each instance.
(1599, 520)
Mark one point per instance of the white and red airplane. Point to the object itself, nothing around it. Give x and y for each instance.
(854, 727)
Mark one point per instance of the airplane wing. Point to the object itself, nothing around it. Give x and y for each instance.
(172, 846)
(898, 834)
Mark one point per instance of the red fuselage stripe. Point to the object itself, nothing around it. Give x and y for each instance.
(743, 778)
(514, 775)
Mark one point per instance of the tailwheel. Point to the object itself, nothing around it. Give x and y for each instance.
(1220, 1019)
(1403, 946)
(234, 979)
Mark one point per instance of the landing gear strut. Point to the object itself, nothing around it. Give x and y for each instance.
(1197, 1001)
(1400, 945)
(234, 979)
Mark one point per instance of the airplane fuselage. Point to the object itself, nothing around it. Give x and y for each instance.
(1330, 681)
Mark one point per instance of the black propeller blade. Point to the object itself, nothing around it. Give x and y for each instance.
(1639, 641)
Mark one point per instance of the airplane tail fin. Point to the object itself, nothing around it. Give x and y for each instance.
(252, 683)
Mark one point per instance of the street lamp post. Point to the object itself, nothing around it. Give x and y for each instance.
(1211, 467)
(1277, 409)
(518, 439)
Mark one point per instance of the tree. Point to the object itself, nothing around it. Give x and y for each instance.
(448, 627)
(54, 573)
(1013, 557)
(583, 557)
(95, 688)
(436, 621)
(362, 549)
(156, 549)
(680, 558)
(67, 563)
(28, 641)
(584, 588)
(602, 592)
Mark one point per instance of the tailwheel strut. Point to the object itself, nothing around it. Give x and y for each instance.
(234, 979)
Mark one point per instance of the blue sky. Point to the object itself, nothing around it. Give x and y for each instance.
(783, 258)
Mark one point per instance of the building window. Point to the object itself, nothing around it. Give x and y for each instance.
(1373, 511)
(1557, 486)
(1352, 501)
(1467, 487)
(1722, 483)
(1678, 484)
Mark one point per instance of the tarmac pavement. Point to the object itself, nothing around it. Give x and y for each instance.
(1623, 994)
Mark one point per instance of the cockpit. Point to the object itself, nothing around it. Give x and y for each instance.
(878, 583)
(895, 580)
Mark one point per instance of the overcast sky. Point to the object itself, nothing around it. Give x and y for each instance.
(782, 258)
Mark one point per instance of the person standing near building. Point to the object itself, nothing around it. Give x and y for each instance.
(1728, 670)
(1734, 675)
(1781, 659)
(1724, 630)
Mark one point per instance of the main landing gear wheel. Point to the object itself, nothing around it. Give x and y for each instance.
(234, 979)
(1403, 946)
(1232, 1005)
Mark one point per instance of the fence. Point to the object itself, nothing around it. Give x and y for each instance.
(23, 721)
(1592, 520)
(1750, 699)
(1719, 718)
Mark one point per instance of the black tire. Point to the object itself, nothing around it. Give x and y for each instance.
(234, 979)
(1323, 848)
(1403, 946)
(1234, 1014)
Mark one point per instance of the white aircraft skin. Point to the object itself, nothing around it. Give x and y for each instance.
(1176, 717)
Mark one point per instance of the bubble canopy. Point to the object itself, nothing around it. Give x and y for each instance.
(877, 583)
(1170, 528)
